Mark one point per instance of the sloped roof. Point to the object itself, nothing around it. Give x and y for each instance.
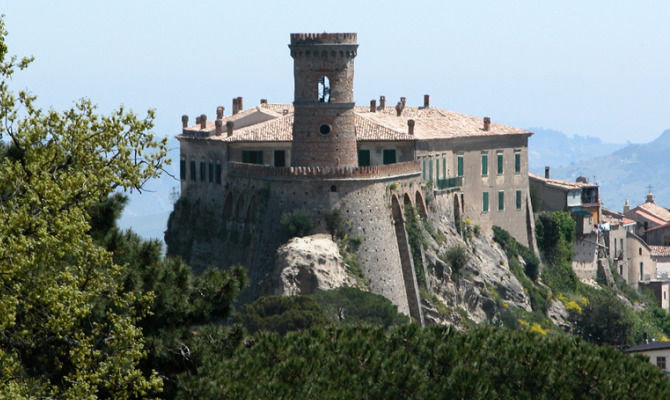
(274, 122)
(648, 346)
(654, 210)
(667, 224)
(662, 251)
(567, 185)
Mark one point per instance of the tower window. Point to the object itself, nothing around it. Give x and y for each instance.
(389, 156)
(325, 128)
(324, 90)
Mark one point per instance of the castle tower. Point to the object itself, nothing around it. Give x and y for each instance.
(323, 129)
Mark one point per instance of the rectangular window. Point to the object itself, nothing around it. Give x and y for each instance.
(182, 169)
(218, 173)
(252, 156)
(192, 168)
(389, 156)
(660, 362)
(423, 170)
(430, 169)
(363, 158)
(641, 270)
(485, 201)
(501, 200)
(518, 199)
(203, 171)
(211, 172)
(444, 168)
(485, 164)
(499, 155)
(280, 158)
(437, 168)
(517, 162)
(460, 164)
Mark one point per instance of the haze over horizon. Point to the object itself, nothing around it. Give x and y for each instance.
(592, 69)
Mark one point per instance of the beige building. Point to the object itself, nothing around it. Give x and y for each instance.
(641, 265)
(657, 352)
(648, 216)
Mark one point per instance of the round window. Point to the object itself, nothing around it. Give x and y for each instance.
(325, 128)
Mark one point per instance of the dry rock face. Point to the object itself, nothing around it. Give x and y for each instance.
(305, 264)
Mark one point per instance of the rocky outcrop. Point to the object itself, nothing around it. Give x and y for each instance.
(305, 264)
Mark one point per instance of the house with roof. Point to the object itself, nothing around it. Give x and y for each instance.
(661, 256)
(658, 354)
(581, 199)
(240, 172)
(648, 216)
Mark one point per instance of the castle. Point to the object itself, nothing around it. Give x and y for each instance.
(239, 173)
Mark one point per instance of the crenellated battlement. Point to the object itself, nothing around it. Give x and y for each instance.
(376, 171)
(323, 38)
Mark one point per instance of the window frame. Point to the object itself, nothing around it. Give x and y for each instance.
(518, 200)
(460, 164)
(485, 164)
(501, 200)
(517, 162)
(485, 202)
(500, 163)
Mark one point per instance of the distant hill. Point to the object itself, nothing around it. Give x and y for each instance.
(626, 173)
(543, 144)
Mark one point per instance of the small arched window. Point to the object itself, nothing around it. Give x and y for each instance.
(324, 90)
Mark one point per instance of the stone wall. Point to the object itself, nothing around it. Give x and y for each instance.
(239, 222)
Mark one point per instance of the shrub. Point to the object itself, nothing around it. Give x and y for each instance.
(281, 314)
(334, 223)
(457, 258)
(297, 222)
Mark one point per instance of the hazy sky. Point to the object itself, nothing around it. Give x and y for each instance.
(597, 68)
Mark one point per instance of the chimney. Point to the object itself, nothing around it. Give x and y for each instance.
(236, 109)
(382, 102)
(403, 100)
(203, 121)
(426, 100)
(184, 121)
(229, 128)
(398, 109)
(219, 126)
(410, 126)
(197, 120)
(264, 101)
(373, 105)
(219, 112)
(239, 104)
(487, 123)
(546, 172)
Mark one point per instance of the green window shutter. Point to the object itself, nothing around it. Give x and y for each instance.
(192, 168)
(518, 199)
(363, 158)
(460, 165)
(245, 156)
(517, 162)
(424, 169)
(500, 163)
(444, 168)
(203, 171)
(182, 169)
(218, 173)
(485, 164)
(389, 156)
(280, 158)
(430, 169)
(485, 201)
(211, 172)
(501, 200)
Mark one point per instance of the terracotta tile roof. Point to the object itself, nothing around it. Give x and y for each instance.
(627, 221)
(649, 217)
(662, 251)
(561, 183)
(655, 210)
(434, 123)
(273, 122)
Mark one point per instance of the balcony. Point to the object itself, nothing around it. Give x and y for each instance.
(449, 183)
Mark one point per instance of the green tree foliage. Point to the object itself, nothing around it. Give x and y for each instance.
(416, 241)
(181, 303)
(431, 363)
(281, 314)
(457, 258)
(348, 305)
(605, 320)
(555, 232)
(52, 274)
(297, 222)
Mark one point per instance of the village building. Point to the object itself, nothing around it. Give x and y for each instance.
(580, 199)
(657, 352)
(661, 255)
(323, 152)
(648, 216)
